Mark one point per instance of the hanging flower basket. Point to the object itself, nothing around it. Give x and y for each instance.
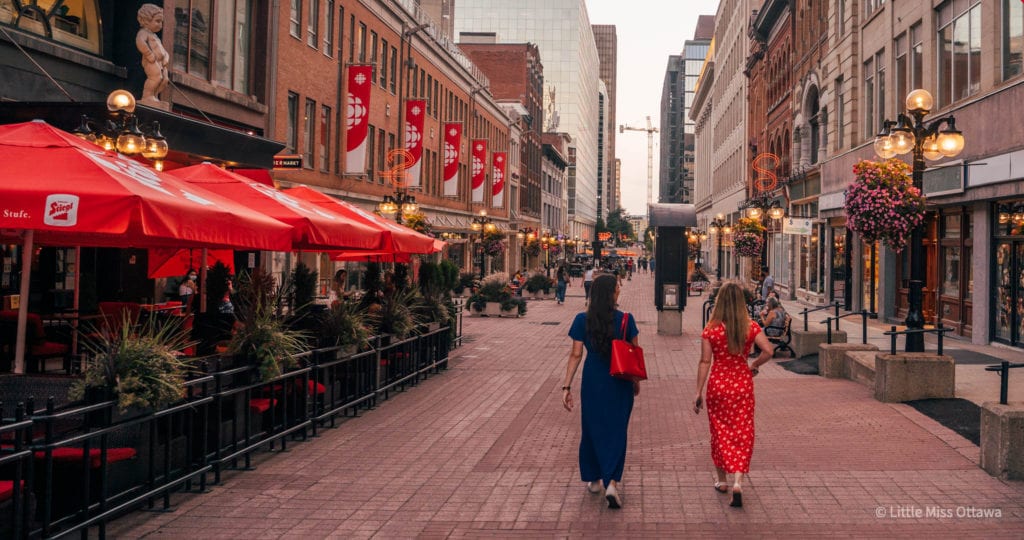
(494, 244)
(533, 248)
(882, 203)
(747, 244)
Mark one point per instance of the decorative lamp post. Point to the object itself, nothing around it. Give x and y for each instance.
(932, 140)
(546, 242)
(525, 236)
(719, 227)
(399, 204)
(123, 132)
(483, 224)
(764, 207)
(697, 236)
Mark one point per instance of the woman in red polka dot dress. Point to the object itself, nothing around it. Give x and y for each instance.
(725, 344)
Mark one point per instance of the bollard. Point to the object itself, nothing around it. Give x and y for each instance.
(892, 339)
(1004, 382)
(828, 330)
(837, 317)
(864, 326)
(940, 332)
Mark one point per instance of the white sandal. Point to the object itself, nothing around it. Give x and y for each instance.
(594, 487)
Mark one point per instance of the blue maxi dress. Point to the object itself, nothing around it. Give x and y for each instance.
(606, 404)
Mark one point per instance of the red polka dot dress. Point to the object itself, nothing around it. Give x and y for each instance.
(730, 401)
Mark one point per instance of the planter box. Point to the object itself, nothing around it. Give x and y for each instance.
(548, 295)
(909, 376)
(512, 313)
(492, 309)
(1002, 440)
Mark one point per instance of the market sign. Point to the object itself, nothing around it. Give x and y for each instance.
(799, 226)
(288, 161)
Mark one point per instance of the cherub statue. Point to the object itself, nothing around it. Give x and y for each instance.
(154, 56)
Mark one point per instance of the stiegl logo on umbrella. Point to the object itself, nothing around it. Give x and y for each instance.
(61, 210)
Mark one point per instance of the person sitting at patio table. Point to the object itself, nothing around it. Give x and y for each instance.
(339, 291)
(187, 290)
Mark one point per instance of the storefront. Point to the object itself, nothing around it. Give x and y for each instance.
(1008, 309)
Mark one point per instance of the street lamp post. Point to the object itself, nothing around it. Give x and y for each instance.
(525, 235)
(932, 140)
(764, 207)
(398, 204)
(698, 237)
(483, 224)
(719, 227)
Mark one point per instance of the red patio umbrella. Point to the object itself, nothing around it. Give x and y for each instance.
(71, 192)
(166, 262)
(314, 228)
(400, 241)
(60, 190)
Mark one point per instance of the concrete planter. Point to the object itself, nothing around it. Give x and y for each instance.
(1002, 440)
(910, 376)
(806, 343)
(832, 359)
(492, 309)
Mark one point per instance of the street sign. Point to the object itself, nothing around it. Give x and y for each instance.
(288, 161)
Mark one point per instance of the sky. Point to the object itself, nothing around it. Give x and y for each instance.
(649, 31)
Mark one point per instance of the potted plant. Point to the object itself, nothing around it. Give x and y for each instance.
(536, 283)
(345, 324)
(262, 337)
(398, 313)
(139, 366)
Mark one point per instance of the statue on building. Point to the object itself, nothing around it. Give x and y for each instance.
(154, 57)
(551, 114)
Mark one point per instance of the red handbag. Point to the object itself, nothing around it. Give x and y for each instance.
(627, 359)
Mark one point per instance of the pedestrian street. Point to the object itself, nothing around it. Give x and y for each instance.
(485, 449)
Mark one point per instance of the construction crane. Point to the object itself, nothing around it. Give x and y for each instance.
(651, 130)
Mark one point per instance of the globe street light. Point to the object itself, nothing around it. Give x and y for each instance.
(399, 204)
(763, 208)
(483, 224)
(719, 227)
(526, 236)
(932, 140)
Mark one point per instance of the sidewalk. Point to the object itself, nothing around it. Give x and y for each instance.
(973, 383)
(485, 449)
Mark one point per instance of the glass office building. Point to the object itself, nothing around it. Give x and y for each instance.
(561, 29)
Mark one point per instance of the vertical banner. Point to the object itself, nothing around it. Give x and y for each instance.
(414, 109)
(357, 118)
(498, 179)
(479, 169)
(452, 147)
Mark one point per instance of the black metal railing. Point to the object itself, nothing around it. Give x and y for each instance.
(939, 330)
(85, 464)
(837, 305)
(1004, 368)
(864, 324)
(705, 312)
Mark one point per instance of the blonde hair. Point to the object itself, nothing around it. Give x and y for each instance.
(731, 311)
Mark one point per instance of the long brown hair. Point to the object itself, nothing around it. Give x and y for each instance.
(601, 313)
(731, 311)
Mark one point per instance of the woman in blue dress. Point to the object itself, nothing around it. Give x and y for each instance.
(606, 402)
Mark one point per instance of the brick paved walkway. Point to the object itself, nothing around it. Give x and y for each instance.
(486, 450)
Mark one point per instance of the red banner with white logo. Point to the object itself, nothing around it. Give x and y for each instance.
(452, 149)
(357, 110)
(498, 179)
(479, 169)
(415, 110)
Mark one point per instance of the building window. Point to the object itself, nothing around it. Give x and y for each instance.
(1013, 38)
(232, 22)
(959, 51)
(381, 150)
(901, 66)
(840, 114)
(880, 88)
(383, 63)
(361, 40)
(391, 144)
(295, 17)
(313, 23)
(325, 138)
(292, 136)
(394, 69)
(842, 17)
(329, 29)
(351, 38)
(310, 124)
(869, 100)
(373, 52)
(871, 6)
(916, 58)
(371, 143)
(75, 23)
(430, 94)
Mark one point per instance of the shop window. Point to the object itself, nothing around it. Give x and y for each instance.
(75, 23)
(231, 50)
(950, 271)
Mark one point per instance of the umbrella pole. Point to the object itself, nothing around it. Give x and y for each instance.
(74, 301)
(202, 279)
(26, 275)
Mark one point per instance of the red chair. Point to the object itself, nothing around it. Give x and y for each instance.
(116, 313)
(37, 349)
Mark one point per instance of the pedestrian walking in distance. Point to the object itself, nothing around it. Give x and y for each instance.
(725, 344)
(605, 401)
